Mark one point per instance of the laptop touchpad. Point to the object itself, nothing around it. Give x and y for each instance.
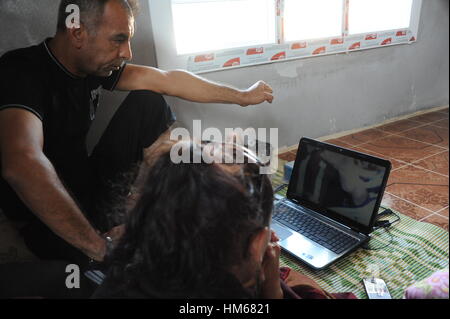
(282, 232)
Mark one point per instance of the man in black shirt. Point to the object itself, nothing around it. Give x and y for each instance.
(49, 96)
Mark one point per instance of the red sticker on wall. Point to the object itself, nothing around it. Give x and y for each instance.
(298, 45)
(279, 56)
(337, 41)
(355, 46)
(204, 58)
(371, 36)
(320, 50)
(254, 51)
(387, 41)
(232, 62)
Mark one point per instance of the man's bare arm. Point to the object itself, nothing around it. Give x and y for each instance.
(191, 87)
(33, 178)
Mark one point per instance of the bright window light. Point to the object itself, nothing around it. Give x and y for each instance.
(208, 25)
(306, 19)
(379, 15)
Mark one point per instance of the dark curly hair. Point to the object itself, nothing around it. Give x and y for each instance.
(191, 224)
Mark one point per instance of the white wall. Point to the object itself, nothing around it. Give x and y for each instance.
(314, 97)
(323, 95)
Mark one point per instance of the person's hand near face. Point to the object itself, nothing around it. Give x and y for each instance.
(271, 287)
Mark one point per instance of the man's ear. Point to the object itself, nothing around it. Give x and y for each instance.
(78, 35)
(258, 244)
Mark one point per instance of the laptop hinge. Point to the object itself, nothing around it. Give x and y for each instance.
(352, 229)
(349, 228)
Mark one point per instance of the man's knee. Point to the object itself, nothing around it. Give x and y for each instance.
(146, 98)
(147, 106)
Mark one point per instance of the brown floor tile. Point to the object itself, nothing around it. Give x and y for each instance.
(395, 164)
(402, 149)
(429, 134)
(441, 123)
(443, 212)
(429, 117)
(288, 156)
(399, 126)
(404, 207)
(437, 220)
(362, 137)
(436, 163)
(423, 188)
(338, 142)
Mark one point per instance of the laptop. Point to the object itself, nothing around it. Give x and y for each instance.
(331, 203)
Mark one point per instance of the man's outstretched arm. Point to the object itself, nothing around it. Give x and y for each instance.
(191, 87)
(33, 178)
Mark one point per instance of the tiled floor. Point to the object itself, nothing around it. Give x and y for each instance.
(418, 148)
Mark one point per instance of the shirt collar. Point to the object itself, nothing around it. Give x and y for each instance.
(59, 64)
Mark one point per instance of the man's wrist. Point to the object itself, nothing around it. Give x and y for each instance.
(99, 250)
(242, 98)
(109, 244)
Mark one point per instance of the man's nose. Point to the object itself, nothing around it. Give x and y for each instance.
(125, 51)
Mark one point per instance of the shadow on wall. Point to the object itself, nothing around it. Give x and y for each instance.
(25, 23)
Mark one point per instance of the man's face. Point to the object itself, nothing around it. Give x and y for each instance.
(107, 49)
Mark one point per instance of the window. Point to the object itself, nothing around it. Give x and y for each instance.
(378, 15)
(204, 25)
(306, 19)
(208, 35)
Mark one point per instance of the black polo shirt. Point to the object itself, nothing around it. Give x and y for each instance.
(34, 80)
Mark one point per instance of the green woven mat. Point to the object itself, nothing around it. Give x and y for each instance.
(416, 251)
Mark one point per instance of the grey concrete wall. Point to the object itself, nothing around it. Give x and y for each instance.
(314, 97)
(324, 95)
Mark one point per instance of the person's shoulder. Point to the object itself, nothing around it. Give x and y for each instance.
(30, 58)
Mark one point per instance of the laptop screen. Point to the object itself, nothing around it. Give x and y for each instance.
(343, 182)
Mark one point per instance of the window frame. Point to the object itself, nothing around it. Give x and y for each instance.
(211, 61)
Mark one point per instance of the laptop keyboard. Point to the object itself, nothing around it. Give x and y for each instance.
(312, 228)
